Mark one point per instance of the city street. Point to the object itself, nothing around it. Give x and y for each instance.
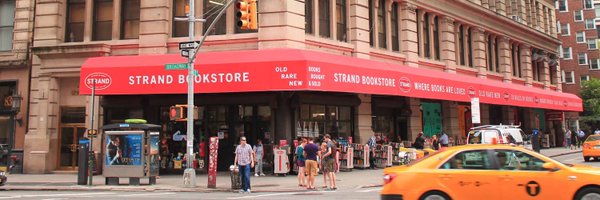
(576, 158)
(350, 193)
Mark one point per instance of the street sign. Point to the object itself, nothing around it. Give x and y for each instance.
(475, 112)
(176, 66)
(185, 53)
(188, 45)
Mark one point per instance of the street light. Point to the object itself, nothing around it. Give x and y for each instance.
(16, 107)
(16, 103)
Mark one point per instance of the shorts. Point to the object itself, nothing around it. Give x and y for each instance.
(311, 167)
(329, 165)
(300, 163)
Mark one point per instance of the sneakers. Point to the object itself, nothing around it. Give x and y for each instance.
(255, 174)
(248, 191)
(261, 174)
(242, 191)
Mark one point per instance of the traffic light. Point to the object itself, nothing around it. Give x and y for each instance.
(247, 14)
(179, 113)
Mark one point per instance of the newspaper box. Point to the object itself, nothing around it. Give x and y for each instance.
(131, 151)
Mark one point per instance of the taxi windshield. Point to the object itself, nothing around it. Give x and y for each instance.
(423, 158)
(592, 138)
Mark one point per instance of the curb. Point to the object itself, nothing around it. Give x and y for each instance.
(562, 154)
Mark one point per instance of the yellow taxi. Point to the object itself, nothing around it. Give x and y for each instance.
(591, 148)
(490, 172)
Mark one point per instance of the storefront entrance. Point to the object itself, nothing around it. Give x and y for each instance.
(69, 145)
(432, 118)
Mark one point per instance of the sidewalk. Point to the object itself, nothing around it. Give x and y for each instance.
(174, 183)
(558, 151)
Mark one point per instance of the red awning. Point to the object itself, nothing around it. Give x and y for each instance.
(291, 69)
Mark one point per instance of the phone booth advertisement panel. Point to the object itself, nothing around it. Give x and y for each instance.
(131, 151)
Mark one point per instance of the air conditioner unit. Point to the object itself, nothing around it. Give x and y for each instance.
(516, 18)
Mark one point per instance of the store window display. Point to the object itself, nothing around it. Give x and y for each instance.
(317, 120)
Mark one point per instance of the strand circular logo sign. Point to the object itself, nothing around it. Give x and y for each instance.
(404, 84)
(506, 96)
(98, 80)
(471, 92)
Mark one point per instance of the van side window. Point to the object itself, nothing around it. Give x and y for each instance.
(476, 160)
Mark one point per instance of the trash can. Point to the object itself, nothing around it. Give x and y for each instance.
(234, 173)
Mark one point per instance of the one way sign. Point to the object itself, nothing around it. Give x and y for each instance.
(188, 45)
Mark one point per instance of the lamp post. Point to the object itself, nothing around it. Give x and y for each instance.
(16, 107)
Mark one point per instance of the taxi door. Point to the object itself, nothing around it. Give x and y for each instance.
(468, 176)
(522, 176)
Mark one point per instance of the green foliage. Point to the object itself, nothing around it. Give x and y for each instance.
(590, 94)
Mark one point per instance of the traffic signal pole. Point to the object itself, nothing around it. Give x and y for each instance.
(189, 175)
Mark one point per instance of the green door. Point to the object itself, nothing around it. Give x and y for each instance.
(432, 118)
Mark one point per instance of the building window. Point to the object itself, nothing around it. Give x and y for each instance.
(582, 57)
(180, 28)
(519, 69)
(589, 24)
(470, 47)
(372, 25)
(342, 33)
(562, 5)
(578, 15)
(588, 4)
(324, 18)
(490, 53)
(7, 17)
(592, 43)
(419, 31)
(75, 20)
(308, 16)
(461, 45)
(497, 54)
(516, 61)
(565, 29)
(322, 119)
(395, 28)
(426, 38)
(381, 25)
(569, 77)
(436, 37)
(584, 78)
(594, 63)
(597, 11)
(103, 17)
(211, 8)
(566, 53)
(580, 37)
(130, 22)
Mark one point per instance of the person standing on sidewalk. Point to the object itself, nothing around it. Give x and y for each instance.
(580, 138)
(300, 162)
(258, 151)
(329, 159)
(444, 140)
(573, 141)
(310, 153)
(372, 143)
(568, 138)
(244, 159)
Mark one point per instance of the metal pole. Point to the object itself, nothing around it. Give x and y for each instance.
(189, 175)
(90, 150)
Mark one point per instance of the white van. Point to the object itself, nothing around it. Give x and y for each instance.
(486, 134)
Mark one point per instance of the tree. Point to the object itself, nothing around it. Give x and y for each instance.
(590, 94)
